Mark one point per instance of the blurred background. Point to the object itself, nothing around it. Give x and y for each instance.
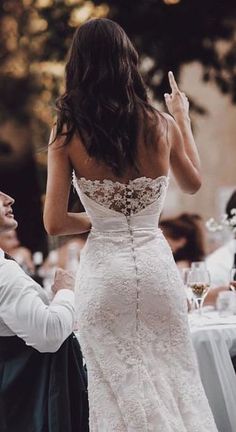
(196, 39)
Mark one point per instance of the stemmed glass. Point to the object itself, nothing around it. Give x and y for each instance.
(199, 281)
(184, 274)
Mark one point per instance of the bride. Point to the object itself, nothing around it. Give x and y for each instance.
(133, 328)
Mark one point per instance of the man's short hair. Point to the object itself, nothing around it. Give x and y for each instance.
(231, 204)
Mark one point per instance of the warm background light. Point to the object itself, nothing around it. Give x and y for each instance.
(200, 47)
(171, 2)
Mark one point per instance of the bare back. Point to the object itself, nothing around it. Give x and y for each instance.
(152, 160)
(175, 148)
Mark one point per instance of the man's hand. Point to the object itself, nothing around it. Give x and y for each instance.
(63, 280)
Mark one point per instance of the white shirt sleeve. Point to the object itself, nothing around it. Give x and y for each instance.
(42, 326)
(219, 263)
(219, 274)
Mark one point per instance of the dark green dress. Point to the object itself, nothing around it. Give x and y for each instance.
(42, 392)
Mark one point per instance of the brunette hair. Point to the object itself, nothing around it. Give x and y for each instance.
(105, 97)
(231, 204)
(187, 226)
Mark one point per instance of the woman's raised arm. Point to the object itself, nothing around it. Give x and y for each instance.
(184, 157)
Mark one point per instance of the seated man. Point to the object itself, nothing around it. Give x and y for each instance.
(42, 381)
(221, 261)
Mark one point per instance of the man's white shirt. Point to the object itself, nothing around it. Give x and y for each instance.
(25, 310)
(220, 263)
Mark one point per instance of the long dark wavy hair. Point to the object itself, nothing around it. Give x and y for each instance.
(105, 99)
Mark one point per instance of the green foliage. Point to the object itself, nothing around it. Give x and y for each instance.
(172, 35)
(36, 34)
(34, 38)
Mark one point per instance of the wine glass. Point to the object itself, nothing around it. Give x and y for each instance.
(184, 275)
(198, 265)
(199, 281)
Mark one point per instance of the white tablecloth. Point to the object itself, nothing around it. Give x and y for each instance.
(214, 340)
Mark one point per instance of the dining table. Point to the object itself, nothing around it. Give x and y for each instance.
(214, 340)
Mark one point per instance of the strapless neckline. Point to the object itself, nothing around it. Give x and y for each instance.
(115, 182)
(123, 198)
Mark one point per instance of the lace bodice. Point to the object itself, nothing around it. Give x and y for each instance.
(126, 198)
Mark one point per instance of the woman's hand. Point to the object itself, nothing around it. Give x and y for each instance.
(176, 102)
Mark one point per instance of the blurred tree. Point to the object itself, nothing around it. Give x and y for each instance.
(34, 38)
(171, 33)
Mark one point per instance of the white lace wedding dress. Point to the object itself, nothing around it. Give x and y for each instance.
(132, 317)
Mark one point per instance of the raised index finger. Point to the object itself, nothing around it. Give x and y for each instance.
(173, 83)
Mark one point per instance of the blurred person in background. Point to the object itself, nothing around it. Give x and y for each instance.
(223, 259)
(185, 236)
(132, 314)
(42, 380)
(10, 243)
(69, 249)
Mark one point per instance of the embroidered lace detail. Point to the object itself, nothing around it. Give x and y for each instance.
(127, 198)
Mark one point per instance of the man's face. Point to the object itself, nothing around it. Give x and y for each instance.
(7, 220)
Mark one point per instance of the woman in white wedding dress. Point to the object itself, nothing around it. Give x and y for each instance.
(131, 305)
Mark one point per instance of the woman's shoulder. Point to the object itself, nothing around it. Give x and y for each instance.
(169, 120)
(163, 122)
